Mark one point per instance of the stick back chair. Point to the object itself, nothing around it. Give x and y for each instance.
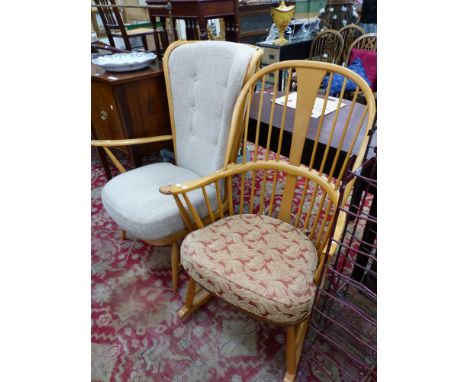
(263, 249)
(203, 81)
(349, 33)
(365, 42)
(327, 46)
(115, 28)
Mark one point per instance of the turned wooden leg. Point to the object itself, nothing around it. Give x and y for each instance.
(123, 234)
(193, 299)
(294, 342)
(175, 261)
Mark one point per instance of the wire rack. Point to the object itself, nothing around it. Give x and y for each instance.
(344, 313)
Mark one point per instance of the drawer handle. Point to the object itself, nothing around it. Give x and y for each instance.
(271, 56)
(103, 114)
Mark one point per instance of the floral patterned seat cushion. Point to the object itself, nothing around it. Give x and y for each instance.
(257, 263)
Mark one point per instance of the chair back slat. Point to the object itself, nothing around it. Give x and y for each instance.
(203, 80)
(306, 96)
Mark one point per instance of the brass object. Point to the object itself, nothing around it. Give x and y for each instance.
(281, 17)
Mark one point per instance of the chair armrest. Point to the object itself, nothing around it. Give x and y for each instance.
(106, 143)
(129, 142)
(190, 185)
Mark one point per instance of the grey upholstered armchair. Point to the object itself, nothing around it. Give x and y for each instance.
(203, 81)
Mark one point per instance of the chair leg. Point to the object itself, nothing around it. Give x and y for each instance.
(194, 299)
(294, 342)
(175, 262)
(291, 364)
(123, 234)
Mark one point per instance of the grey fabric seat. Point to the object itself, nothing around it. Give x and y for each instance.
(134, 202)
(205, 79)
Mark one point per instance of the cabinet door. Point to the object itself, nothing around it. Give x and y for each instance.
(144, 110)
(104, 113)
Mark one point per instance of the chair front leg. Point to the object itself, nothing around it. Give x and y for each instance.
(291, 364)
(294, 342)
(175, 263)
(194, 299)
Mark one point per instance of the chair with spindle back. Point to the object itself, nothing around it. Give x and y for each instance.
(115, 28)
(349, 33)
(365, 42)
(262, 251)
(327, 46)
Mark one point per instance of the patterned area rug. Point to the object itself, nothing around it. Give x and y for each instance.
(137, 336)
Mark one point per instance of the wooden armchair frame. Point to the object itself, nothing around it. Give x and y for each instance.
(319, 225)
(108, 144)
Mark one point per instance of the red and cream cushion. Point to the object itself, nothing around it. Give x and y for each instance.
(257, 263)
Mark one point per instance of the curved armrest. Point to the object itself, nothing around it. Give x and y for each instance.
(190, 185)
(129, 142)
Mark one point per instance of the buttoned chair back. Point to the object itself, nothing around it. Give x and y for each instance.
(203, 81)
(349, 33)
(327, 46)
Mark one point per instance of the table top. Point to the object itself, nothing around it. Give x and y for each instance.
(115, 78)
(269, 44)
(326, 125)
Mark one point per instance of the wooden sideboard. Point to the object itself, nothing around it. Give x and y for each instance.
(130, 105)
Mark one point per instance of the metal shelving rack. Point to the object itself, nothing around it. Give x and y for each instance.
(344, 313)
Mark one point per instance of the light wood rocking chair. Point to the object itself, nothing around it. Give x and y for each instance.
(203, 80)
(263, 250)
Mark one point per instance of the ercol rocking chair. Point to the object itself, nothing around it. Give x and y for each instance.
(264, 250)
(203, 81)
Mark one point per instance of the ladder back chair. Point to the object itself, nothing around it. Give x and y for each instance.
(349, 33)
(327, 46)
(115, 28)
(262, 249)
(203, 81)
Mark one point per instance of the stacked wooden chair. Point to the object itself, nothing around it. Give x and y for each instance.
(266, 234)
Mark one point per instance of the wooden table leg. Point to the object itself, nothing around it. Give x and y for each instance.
(202, 27)
(104, 162)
